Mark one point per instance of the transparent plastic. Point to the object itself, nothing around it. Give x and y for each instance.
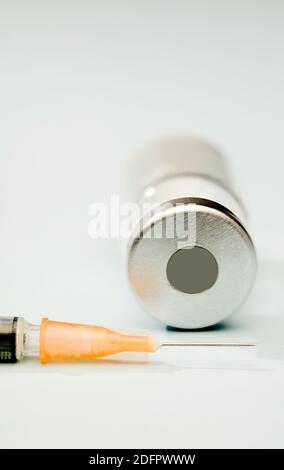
(30, 339)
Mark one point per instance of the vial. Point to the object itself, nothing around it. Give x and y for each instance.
(190, 259)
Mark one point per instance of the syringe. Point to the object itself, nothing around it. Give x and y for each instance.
(60, 341)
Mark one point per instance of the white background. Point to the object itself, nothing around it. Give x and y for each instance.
(83, 84)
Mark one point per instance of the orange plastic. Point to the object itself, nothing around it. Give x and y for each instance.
(61, 341)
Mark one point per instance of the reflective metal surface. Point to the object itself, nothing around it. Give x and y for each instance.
(190, 206)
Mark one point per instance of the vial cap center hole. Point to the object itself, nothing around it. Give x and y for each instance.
(192, 270)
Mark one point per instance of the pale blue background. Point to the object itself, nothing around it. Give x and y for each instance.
(83, 84)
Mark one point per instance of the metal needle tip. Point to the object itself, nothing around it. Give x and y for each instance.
(188, 343)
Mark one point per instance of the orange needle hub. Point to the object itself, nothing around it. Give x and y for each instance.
(61, 341)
